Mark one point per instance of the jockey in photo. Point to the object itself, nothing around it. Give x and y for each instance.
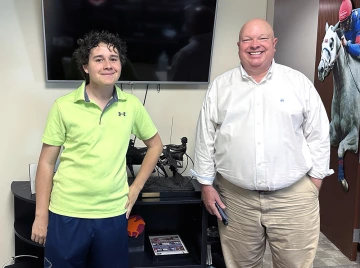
(350, 24)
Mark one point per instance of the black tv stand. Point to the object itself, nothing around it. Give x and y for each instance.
(183, 215)
(178, 186)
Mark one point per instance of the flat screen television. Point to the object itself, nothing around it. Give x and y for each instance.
(168, 41)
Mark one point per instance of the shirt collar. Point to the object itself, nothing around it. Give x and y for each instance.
(268, 75)
(81, 94)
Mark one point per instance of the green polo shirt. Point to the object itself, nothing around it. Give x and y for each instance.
(91, 180)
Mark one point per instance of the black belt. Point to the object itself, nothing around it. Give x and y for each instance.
(262, 191)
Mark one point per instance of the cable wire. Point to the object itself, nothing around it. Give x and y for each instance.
(19, 256)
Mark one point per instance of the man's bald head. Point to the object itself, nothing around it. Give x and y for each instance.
(259, 22)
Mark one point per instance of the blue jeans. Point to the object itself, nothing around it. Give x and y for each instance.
(79, 243)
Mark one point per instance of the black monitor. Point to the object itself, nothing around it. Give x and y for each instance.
(168, 41)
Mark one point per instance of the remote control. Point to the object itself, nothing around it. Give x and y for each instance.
(222, 214)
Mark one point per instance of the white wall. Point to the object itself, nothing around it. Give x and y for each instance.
(270, 11)
(26, 98)
(295, 25)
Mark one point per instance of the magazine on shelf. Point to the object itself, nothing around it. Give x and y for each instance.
(167, 245)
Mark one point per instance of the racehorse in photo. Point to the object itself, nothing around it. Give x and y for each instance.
(345, 106)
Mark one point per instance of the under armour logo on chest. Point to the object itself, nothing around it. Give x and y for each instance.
(121, 113)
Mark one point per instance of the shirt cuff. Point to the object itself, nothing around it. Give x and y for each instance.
(202, 179)
(319, 175)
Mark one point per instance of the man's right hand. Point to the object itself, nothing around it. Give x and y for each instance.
(39, 229)
(210, 196)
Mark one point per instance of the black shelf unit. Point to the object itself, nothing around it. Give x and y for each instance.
(214, 242)
(185, 216)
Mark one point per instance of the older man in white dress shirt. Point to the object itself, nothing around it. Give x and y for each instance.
(262, 150)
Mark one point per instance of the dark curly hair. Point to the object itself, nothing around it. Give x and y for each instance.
(93, 39)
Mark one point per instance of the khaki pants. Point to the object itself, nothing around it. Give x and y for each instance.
(288, 219)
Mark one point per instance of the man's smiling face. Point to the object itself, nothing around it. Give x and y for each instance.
(256, 46)
(104, 65)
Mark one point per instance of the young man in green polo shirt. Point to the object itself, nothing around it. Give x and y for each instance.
(89, 198)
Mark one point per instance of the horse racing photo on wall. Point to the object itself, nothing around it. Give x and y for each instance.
(339, 69)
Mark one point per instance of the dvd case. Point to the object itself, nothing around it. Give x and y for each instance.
(167, 245)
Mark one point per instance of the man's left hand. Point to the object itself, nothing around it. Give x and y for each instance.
(317, 182)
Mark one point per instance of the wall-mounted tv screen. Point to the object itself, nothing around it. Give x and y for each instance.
(168, 41)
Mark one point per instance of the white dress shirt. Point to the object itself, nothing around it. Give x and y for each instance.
(262, 136)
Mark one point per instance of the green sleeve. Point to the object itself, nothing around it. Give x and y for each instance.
(143, 126)
(54, 133)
